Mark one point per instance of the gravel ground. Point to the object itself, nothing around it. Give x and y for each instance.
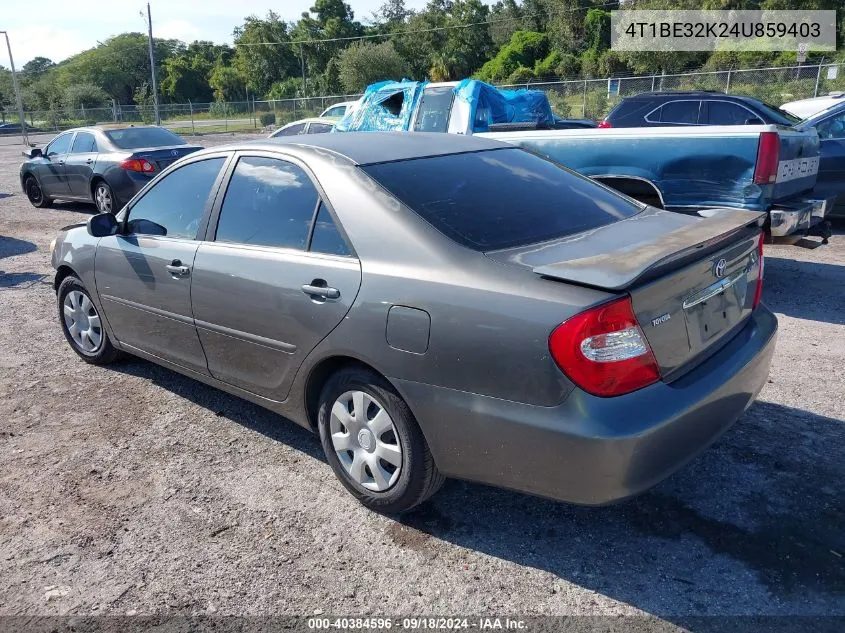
(131, 489)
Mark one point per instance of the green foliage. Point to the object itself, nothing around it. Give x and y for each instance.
(286, 89)
(226, 83)
(267, 118)
(524, 49)
(85, 96)
(521, 75)
(560, 105)
(363, 63)
(546, 68)
(144, 100)
(260, 65)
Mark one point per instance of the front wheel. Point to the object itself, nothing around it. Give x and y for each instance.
(373, 443)
(104, 197)
(82, 324)
(35, 194)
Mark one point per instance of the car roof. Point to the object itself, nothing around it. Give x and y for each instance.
(690, 93)
(365, 148)
(314, 119)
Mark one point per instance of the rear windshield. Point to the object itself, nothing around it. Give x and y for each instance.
(500, 198)
(778, 116)
(138, 137)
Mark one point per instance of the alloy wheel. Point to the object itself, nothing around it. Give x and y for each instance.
(103, 198)
(365, 439)
(82, 321)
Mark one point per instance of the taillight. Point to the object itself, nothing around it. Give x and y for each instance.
(758, 291)
(768, 153)
(138, 164)
(604, 351)
(605, 123)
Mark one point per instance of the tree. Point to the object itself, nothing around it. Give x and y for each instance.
(226, 82)
(262, 53)
(525, 49)
(505, 20)
(364, 63)
(36, 67)
(185, 76)
(85, 96)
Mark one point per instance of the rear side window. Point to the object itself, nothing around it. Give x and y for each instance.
(327, 237)
(500, 198)
(175, 205)
(685, 112)
(434, 108)
(291, 130)
(84, 143)
(269, 202)
(139, 137)
(335, 111)
(725, 113)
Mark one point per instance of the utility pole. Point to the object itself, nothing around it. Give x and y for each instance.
(153, 64)
(17, 90)
(302, 61)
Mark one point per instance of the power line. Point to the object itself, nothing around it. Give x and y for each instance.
(433, 29)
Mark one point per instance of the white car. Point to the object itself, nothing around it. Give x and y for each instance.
(338, 109)
(805, 108)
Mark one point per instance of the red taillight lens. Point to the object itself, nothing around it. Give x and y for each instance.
(605, 124)
(758, 291)
(604, 351)
(138, 164)
(768, 153)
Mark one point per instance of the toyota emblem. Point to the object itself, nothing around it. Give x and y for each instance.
(173, 152)
(719, 267)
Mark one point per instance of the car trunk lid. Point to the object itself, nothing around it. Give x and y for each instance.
(162, 157)
(691, 279)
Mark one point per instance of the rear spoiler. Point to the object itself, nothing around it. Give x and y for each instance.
(614, 256)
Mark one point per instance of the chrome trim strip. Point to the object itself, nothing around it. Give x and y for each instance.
(714, 289)
(281, 346)
(158, 312)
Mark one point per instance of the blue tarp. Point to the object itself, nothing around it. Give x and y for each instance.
(385, 106)
(389, 106)
(493, 105)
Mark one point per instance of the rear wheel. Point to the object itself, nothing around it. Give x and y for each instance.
(35, 194)
(82, 325)
(373, 443)
(104, 197)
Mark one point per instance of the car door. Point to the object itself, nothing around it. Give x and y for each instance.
(144, 274)
(717, 112)
(79, 164)
(831, 178)
(274, 276)
(51, 173)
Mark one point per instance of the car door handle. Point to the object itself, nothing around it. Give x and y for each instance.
(321, 291)
(176, 268)
(60, 162)
(89, 161)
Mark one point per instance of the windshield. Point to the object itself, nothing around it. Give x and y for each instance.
(138, 137)
(776, 113)
(502, 198)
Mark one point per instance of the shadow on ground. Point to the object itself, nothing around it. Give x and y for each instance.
(806, 290)
(11, 246)
(758, 516)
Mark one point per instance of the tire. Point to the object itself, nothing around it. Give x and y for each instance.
(35, 194)
(410, 483)
(91, 342)
(104, 198)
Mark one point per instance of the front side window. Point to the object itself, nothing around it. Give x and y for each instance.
(84, 143)
(269, 202)
(832, 128)
(725, 113)
(320, 128)
(683, 112)
(174, 206)
(291, 130)
(502, 198)
(60, 145)
(335, 111)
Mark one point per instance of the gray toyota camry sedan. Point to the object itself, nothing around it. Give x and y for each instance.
(433, 306)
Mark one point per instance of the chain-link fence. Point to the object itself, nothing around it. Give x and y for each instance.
(587, 98)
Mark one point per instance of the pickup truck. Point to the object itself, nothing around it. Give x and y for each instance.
(689, 169)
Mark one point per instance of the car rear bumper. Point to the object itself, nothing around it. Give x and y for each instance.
(592, 450)
(796, 216)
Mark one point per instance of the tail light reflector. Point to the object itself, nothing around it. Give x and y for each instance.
(605, 124)
(604, 351)
(758, 291)
(138, 164)
(768, 154)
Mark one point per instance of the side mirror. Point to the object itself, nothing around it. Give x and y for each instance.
(102, 225)
(33, 152)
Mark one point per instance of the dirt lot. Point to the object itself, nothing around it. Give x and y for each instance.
(132, 489)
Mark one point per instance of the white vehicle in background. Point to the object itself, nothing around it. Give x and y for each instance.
(339, 109)
(805, 108)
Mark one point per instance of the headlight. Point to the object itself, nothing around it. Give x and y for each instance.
(52, 247)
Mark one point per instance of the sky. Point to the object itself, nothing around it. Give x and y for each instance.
(60, 28)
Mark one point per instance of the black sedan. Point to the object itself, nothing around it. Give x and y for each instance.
(106, 166)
